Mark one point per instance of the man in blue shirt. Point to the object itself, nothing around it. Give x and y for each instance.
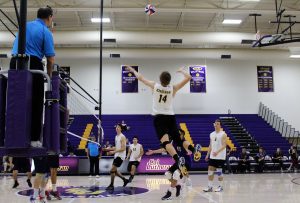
(39, 44)
(93, 155)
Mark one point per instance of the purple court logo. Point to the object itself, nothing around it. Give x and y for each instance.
(92, 192)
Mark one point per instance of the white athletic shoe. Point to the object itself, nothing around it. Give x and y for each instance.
(219, 189)
(208, 189)
(97, 176)
(90, 176)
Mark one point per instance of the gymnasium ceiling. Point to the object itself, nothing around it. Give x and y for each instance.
(172, 15)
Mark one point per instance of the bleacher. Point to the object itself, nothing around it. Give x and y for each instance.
(199, 127)
(264, 134)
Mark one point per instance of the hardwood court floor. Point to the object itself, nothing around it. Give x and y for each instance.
(238, 188)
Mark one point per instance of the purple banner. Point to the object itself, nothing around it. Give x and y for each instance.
(265, 79)
(68, 165)
(129, 81)
(155, 164)
(198, 81)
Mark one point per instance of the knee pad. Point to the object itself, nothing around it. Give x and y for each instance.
(219, 172)
(210, 173)
(168, 175)
(164, 144)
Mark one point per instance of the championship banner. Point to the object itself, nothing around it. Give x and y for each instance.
(129, 81)
(198, 81)
(265, 79)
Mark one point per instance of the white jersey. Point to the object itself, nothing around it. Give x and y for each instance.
(118, 138)
(162, 100)
(135, 152)
(216, 144)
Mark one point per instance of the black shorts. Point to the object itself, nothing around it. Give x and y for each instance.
(53, 161)
(166, 124)
(41, 164)
(217, 163)
(117, 162)
(22, 164)
(132, 163)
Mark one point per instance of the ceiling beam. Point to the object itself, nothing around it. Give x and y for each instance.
(164, 10)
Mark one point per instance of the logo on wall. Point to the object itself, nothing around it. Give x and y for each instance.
(153, 164)
(92, 192)
(63, 168)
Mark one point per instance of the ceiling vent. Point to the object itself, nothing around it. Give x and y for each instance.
(115, 56)
(225, 56)
(110, 40)
(176, 41)
(3, 56)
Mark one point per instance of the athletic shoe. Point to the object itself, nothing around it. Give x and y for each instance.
(197, 154)
(37, 199)
(33, 199)
(126, 181)
(90, 176)
(131, 178)
(208, 189)
(178, 188)
(29, 183)
(167, 196)
(182, 167)
(219, 189)
(16, 184)
(97, 176)
(110, 187)
(55, 194)
(48, 197)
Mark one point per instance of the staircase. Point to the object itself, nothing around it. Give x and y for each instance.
(240, 134)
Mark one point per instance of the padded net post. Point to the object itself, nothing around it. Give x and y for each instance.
(3, 88)
(18, 119)
(64, 116)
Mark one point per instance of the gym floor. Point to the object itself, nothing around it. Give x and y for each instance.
(238, 188)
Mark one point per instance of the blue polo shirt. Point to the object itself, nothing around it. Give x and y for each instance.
(39, 40)
(93, 149)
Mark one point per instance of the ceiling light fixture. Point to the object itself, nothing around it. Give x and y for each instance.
(98, 20)
(295, 56)
(232, 22)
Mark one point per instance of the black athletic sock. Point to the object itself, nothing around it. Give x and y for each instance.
(176, 158)
(191, 148)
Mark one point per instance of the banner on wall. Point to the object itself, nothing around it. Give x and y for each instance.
(265, 79)
(129, 81)
(155, 164)
(198, 81)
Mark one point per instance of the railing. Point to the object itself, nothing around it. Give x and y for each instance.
(279, 124)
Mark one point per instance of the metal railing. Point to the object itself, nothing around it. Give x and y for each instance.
(286, 130)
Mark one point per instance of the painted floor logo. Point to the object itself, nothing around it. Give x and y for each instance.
(92, 192)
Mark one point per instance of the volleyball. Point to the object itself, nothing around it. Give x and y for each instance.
(150, 9)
